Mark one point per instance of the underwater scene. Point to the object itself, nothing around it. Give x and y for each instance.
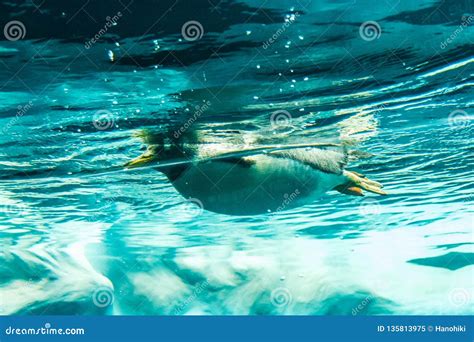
(237, 157)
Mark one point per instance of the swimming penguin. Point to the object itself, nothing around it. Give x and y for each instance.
(252, 181)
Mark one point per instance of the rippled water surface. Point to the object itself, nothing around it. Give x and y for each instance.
(392, 81)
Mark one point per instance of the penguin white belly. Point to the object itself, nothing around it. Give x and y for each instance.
(264, 184)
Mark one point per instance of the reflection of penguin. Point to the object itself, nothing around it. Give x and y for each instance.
(256, 180)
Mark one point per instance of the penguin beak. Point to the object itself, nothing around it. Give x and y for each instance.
(142, 160)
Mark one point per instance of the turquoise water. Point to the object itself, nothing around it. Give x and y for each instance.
(82, 235)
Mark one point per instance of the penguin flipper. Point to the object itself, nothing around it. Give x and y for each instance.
(328, 161)
(244, 162)
(150, 156)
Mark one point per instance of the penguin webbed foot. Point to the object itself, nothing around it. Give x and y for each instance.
(356, 183)
(348, 189)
